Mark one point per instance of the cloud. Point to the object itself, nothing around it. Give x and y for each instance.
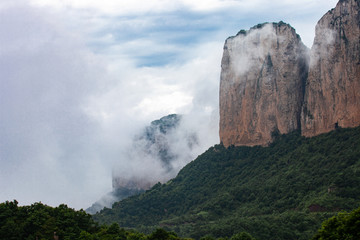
(137, 19)
(47, 78)
(123, 7)
(114, 7)
(245, 50)
(323, 45)
(66, 113)
(79, 78)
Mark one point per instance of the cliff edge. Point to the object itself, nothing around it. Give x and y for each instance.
(262, 84)
(332, 97)
(272, 84)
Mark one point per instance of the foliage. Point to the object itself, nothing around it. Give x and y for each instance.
(343, 226)
(283, 191)
(242, 236)
(39, 221)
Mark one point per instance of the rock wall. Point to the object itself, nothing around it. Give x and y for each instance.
(268, 85)
(262, 84)
(332, 95)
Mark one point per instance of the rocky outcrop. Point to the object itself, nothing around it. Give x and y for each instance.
(332, 97)
(266, 86)
(262, 84)
(156, 154)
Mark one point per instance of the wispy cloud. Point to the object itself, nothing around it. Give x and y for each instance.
(78, 78)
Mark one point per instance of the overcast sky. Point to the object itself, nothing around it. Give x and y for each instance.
(79, 77)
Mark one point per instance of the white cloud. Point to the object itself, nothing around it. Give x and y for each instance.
(47, 77)
(113, 7)
(77, 82)
(123, 7)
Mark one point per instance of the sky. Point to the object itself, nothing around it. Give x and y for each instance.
(79, 78)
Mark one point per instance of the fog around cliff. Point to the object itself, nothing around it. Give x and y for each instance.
(67, 115)
(253, 46)
(79, 80)
(146, 161)
(326, 38)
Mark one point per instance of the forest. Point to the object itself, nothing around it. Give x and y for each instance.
(296, 188)
(283, 191)
(41, 222)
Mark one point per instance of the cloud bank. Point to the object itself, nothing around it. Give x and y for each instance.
(66, 113)
(78, 79)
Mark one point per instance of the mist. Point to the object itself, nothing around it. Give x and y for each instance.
(253, 46)
(322, 45)
(68, 115)
(156, 156)
(78, 83)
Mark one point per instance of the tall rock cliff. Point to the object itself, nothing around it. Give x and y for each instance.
(332, 95)
(262, 84)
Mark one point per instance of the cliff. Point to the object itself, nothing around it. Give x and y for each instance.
(262, 84)
(271, 84)
(332, 97)
(155, 155)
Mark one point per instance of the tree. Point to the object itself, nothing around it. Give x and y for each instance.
(242, 236)
(161, 234)
(344, 226)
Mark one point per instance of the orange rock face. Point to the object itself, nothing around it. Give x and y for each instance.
(332, 96)
(262, 84)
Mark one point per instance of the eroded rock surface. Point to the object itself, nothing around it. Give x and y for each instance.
(262, 84)
(332, 97)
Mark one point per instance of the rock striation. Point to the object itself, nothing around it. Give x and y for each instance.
(262, 84)
(332, 97)
(272, 84)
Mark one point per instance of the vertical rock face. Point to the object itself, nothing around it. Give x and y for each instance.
(262, 84)
(332, 95)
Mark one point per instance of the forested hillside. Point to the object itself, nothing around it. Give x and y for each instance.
(42, 222)
(283, 191)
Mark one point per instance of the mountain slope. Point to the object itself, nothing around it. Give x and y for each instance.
(159, 144)
(283, 191)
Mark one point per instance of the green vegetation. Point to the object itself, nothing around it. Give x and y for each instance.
(343, 226)
(41, 222)
(283, 191)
